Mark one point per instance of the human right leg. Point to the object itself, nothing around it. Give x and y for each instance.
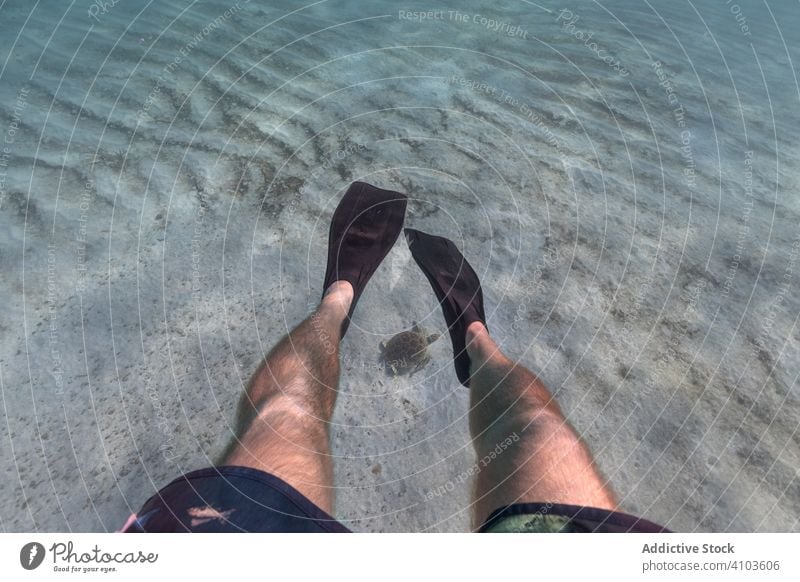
(533, 453)
(544, 459)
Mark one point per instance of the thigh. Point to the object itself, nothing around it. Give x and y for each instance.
(290, 444)
(545, 460)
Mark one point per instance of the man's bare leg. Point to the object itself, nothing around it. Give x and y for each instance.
(546, 460)
(526, 449)
(285, 412)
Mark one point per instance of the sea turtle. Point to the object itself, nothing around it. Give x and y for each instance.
(407, 351)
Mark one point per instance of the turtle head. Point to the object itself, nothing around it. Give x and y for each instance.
(433, 337)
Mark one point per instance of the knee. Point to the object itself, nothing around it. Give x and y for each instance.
(291, 425)
(524, 421)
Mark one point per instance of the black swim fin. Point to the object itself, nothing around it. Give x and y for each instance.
(457, 288)
(364, 227)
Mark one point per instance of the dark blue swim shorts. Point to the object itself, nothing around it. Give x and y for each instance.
(241, 499)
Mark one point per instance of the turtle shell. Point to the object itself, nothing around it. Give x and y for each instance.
(405, 350)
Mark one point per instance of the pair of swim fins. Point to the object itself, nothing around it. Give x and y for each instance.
(365, 226)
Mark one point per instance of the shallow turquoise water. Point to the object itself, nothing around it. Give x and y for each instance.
(623, 176)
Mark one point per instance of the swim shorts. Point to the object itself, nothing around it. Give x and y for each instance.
(559, 517)
(230, 499)
(241, 499)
